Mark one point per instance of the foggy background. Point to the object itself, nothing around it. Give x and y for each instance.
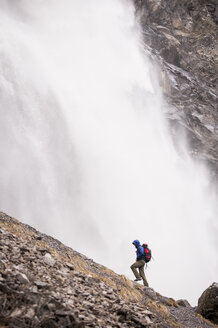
(85, 152)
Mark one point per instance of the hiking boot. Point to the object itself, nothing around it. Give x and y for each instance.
(137, 279)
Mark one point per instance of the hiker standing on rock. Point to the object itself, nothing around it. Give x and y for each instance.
(138, 267)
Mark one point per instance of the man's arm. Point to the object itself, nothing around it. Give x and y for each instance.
(140, 253)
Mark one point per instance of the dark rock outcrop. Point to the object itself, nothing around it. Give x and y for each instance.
(184, 303)
(46, 284)
(182, 36)
(208, 303)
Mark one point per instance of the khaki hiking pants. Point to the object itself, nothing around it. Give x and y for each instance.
(140, 272)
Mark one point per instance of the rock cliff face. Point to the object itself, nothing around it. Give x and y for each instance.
(46, 284)
(183, 37)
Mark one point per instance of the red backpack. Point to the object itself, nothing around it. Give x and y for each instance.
(147, 252)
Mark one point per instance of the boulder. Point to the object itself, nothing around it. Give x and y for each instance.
(22, 278)
(48, 259)
(208, 303)
(184, 303)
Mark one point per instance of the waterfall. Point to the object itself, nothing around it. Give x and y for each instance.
(85, 151)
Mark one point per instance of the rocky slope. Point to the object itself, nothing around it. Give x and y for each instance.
(182, 36)
(46, 284)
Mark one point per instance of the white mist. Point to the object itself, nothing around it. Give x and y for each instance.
(85, 151)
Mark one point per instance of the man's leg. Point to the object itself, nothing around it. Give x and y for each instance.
(142, 273)
(134, 269)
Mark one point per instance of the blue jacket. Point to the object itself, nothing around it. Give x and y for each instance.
(140, 250)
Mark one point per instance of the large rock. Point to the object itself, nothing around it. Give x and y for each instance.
(208, 303)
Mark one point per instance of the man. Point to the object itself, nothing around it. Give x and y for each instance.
(139, 264)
